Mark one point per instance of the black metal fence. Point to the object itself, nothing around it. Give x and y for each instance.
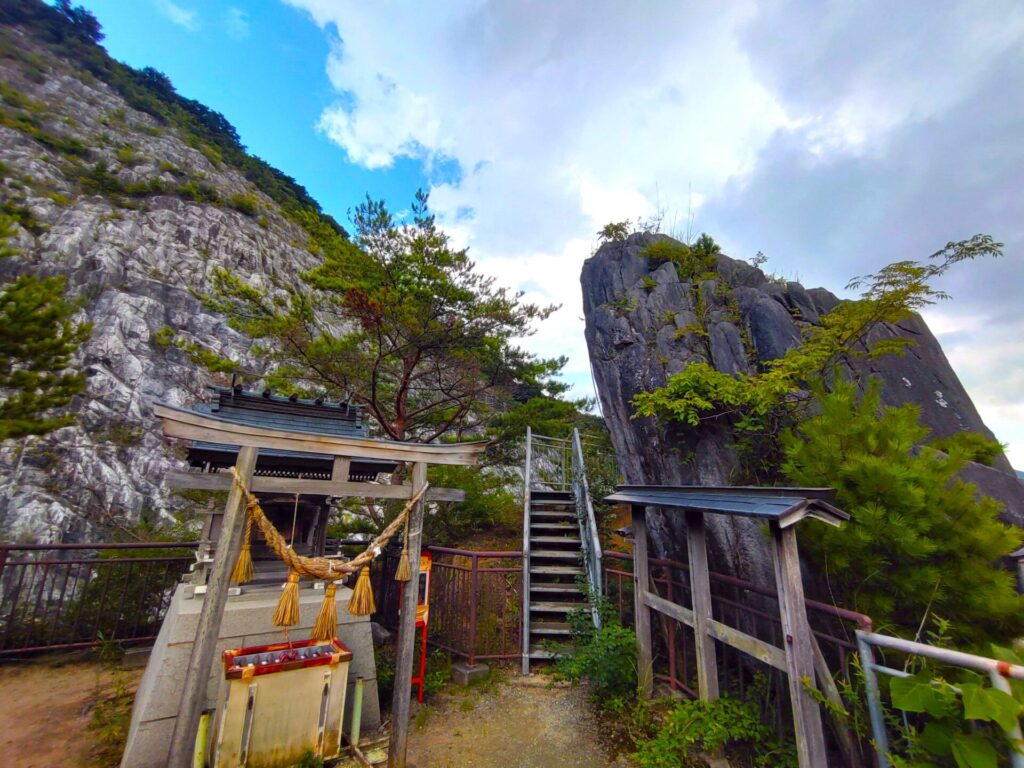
(63, 596)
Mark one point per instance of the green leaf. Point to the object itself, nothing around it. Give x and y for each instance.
(972, 750)
(937, 737)
(1006, 654)
(990, 704)
(918, 694)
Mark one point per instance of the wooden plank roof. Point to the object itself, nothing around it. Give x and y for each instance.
(785, 506)
(192, 425)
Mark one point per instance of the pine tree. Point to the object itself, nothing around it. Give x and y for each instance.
(37, 340)
(921, 543)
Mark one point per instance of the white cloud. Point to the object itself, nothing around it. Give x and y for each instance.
(564, 116)
(236, 23)
(177, 15)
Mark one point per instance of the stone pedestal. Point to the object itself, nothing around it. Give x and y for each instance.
(247, 622)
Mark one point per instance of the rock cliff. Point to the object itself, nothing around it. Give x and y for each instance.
(137, 213)
(637, 321)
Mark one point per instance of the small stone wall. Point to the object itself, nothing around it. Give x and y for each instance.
(247, 622)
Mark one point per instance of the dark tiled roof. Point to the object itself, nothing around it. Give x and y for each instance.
(784, 505)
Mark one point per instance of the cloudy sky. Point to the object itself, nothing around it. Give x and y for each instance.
(833, 136)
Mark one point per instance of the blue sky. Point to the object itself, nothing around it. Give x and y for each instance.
(833, 136)
(261, 64)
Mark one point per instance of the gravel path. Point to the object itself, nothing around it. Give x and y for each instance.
(509, 725)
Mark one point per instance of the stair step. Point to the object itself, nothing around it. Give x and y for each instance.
(549, 628)
(544, 607)
(552, 505)
(544, 517)
(563, 590)
(563, 540)
(554, 554)
(547, 529)
(555, 570)
(541, 653)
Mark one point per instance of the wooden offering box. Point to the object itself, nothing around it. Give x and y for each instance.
(279, 701)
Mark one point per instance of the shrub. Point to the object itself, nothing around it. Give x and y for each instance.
(247, 204)
(605, 657)
(921, 541)
(690, 261)
(710, 726)
(971, 445)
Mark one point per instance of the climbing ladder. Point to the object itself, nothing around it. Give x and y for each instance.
(561, 551)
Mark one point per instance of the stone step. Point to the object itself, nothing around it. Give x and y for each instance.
(540, 653)
(555, 570)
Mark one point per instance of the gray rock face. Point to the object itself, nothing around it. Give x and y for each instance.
(134, 269)
(642, 326)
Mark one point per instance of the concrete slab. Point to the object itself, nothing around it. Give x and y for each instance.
(464, 674)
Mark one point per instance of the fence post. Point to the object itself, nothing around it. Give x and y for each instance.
(874, 698)
(474, 591)
(641, 579)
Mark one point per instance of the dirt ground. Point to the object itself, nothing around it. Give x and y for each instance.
(46, 711)
(509, 725)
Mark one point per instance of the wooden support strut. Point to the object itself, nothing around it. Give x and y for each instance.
(641, 573)
(197, 673)
(796, 633)
(700, 588)
(401, 698)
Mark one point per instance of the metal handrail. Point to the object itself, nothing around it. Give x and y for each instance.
(589, 538)
(999, 673)
(526, 552)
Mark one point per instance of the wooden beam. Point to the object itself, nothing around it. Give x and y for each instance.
(218, 481)
(197, 673)
(670, 609)
(400, 699)
(340, 470)
(189, 425)
(700, 589)
(641, 578)
(760, 650)
(796, 632)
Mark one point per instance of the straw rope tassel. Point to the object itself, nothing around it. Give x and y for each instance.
(361, 603)
(402, 572)
(326, 627)
(287, 613)
(242, 573)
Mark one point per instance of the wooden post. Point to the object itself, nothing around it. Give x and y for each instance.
(700, 589)
(197, 674)
(796, 633)
(400, 699)
(641, 579)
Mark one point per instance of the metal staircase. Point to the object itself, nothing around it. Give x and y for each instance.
(561, 551)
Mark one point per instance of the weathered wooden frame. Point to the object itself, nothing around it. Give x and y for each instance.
(185, 424)
(796, 659)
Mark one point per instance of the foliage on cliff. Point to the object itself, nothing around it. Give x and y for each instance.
(760, 406)
(38, 337)
(73, 33)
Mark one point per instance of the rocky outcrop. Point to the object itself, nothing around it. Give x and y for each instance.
(643, 324)
(134, 264)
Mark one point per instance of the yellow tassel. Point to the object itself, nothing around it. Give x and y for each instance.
(242, 574)
(402, 572)
(287, 613)
(361, 603)
(326, 627)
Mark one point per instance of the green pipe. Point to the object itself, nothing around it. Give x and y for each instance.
(199, 757)
(357, 712)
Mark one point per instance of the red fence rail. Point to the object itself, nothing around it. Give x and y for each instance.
(475, 602)
(65, 596)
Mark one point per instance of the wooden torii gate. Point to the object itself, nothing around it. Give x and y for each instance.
(191, 425)
(781, 508)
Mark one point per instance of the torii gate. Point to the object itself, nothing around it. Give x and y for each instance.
(190, 425)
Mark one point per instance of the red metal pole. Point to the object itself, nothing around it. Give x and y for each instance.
(474, 591)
